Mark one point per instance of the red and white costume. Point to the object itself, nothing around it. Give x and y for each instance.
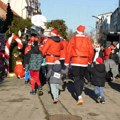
(19, 69)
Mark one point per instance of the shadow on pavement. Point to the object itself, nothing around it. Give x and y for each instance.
(114, 86)
(71, 89)
(89, 93)
(1, 81)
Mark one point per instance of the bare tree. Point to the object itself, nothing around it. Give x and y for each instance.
(70, 34)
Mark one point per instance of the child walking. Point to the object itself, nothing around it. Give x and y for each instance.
(33, 61)
(55, 75)
(98, 75)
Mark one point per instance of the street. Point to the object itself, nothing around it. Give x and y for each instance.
(17, 104)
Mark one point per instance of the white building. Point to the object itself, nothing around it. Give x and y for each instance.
(103, 24)
(24, 8)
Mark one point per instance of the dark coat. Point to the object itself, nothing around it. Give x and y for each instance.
(114, 57)
(98, 74)
(55, 74)
(33, 59)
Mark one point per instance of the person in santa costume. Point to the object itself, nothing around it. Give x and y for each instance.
(52, 48)
(80, 51)
(108, 51)
(19, 69)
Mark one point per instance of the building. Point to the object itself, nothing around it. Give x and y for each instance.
(102, 24)
(24, 8)
(2, 10)
(115, 20)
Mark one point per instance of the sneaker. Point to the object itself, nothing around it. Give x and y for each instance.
(102, 100)
(32, 92)
(80, 102)
(55, 101)
(98, 99)
(40, 92)
(18, 77)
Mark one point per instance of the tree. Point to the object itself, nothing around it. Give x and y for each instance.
(18, 24)
(70, 34)
(60, 26)
(92, 36)
(1, 24)
(8, 20)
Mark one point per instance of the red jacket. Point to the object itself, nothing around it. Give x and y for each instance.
(52, 50)
(27, 49)
(107, 53)
(63, 51)
(80, 51)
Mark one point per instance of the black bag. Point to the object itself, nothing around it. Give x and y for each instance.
(109, 76)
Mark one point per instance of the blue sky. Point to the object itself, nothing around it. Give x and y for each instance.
(76, 12)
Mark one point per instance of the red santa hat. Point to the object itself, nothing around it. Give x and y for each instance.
(32, 38)
(80, 28)
(36, 39)
(54, 32)
(99, 60)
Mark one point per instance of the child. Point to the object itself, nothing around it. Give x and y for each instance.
(33, 61)
(99, 75)
(55, 75)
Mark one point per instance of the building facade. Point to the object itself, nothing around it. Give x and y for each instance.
(24, 8)
(115, 21)
(103, 24)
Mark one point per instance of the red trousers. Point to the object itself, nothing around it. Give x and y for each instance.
(34, 78)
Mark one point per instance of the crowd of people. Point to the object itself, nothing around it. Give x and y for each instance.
(48, 59)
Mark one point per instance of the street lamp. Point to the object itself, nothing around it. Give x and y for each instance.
(97, 18)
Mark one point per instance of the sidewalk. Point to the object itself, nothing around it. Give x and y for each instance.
(17, 104)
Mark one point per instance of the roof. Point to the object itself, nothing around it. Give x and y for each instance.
(105, 13)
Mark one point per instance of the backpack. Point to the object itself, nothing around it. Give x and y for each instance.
(35, 61)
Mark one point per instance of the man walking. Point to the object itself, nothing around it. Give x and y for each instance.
(80, 51)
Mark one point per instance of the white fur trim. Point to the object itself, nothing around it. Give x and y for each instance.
(83, 65)
(49, 63)
(53, 34)
(62, 58)
(80, 35)
(18, 63)
(96, 56)
(66, 64)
